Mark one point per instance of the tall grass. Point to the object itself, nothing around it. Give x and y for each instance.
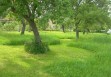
(93, 42)
(97, 66)
(14, 38)
(50, 39)
(90, 56)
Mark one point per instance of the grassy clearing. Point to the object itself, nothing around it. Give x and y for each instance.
(90, 56)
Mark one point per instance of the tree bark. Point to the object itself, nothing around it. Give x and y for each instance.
(77, 30)
(84, 31)
(35, 31)
(19, 28)
(77, 33)
(23, 27)
(63, 29)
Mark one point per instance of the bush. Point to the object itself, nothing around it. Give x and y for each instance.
(1, 25)
(36, 48)
(10, 26)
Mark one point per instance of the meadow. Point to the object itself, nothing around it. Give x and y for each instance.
(90, 56)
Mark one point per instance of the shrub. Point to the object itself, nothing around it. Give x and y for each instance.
(1, 25)
(36, 48)
(10, 26)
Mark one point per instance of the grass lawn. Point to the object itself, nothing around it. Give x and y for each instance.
(90, 56)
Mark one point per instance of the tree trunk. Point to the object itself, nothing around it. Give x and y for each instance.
(63, 29)
(77, 30)
(35, 31)
(77, 34)
(84, 31)
(19, 28)
(23, 27)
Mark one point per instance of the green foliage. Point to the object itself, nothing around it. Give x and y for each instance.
(4, 5)
(10, 26)
(91, 14)
(36, 48)
(1, 26)
(43, 22)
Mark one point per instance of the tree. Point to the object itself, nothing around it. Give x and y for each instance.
(23, 26)
(29, 10)
(60, 11)
(81, 11)
(88, 12)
